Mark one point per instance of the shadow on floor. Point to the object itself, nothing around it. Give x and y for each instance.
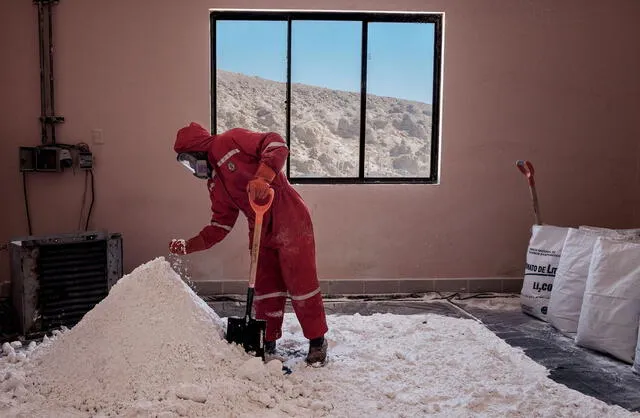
(581, 369)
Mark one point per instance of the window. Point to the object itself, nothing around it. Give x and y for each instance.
(356, 95)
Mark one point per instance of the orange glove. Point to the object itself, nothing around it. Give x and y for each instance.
(258, 187)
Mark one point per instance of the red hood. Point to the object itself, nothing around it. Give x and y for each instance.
(193, 138)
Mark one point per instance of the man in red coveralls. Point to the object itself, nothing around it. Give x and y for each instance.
(240, 165)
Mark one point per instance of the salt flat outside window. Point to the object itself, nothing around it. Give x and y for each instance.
(356, 95)
(325, 98)
(251, 73)
(398, 135)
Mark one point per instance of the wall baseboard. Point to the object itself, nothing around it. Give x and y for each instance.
(381, 286)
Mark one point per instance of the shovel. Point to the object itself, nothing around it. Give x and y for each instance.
(247, 331)
(527, 169)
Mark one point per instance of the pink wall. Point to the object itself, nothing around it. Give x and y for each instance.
(555, 82)
(635, 190)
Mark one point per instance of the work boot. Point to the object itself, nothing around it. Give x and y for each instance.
(270, 352)
(270, 347)
(317, 351)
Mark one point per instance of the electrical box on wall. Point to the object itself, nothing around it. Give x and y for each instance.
(40, 159)
(85, 160)
(48, 159)
(27, 159)
(53, 158)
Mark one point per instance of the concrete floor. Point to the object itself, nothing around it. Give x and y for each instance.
(581, 369)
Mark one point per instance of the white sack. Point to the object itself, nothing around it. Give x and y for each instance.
(543, 255)
(636, 360)
(611, 306)
(565, 301)
(634, 232)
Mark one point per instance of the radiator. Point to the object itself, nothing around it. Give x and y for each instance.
(55, 280)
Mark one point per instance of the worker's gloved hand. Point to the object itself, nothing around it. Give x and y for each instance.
(258, 187)
(182, 247)
(178, 246)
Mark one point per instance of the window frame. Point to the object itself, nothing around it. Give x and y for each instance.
(365, 18)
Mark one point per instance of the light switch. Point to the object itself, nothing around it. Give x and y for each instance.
(96, 136)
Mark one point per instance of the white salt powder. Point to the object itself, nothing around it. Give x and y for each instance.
(491, 303)
(153, 348)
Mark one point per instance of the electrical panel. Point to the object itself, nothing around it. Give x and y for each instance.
(53, 158)
(40, 159)
(27, 159)
(48, 159)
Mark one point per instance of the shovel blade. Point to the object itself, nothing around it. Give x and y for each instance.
(249, 333)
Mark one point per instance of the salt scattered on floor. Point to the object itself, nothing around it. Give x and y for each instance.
(491, 303)
(153, 348)
(429, 365)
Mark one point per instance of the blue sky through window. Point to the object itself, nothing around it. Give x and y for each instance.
(327, 54)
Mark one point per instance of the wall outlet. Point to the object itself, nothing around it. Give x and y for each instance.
(96, 136)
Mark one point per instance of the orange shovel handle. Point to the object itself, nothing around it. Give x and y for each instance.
(257, 232)
(260, 210)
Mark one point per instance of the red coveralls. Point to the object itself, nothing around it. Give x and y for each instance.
(286, 262)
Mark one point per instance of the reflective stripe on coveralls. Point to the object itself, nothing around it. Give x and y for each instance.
(285, 294)
(227, 156)
(227, 227)
(276, 144)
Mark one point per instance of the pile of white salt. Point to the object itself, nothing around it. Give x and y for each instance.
(152, 346)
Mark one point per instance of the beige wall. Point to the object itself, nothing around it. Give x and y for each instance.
(555, 82)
